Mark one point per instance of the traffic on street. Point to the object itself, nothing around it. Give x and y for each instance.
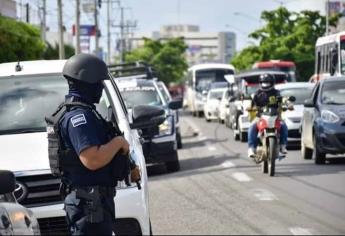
(172, 117)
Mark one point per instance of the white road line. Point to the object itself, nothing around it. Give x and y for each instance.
(264, 195)
(300, 231)
(242, 177)
(202, 138)
(212, 148)
(228, 164)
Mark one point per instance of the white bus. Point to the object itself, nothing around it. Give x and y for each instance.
(329, 56)
(199, 79)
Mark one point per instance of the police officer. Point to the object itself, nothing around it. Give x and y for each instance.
(266, 96)
(87, 181)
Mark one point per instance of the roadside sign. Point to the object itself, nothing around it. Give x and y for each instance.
(85, 30)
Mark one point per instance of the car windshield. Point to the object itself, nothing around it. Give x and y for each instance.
(164, 93)
(134, 96)
(204, 78)
(301, 94)
(333, 93)
(26, 100)
(216, 94)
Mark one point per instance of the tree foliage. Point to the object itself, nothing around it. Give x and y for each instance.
(166, 57)
(19, 41)
(286, 36)
(53, 52)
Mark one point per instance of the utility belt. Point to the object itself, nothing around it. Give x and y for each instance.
(93, 196)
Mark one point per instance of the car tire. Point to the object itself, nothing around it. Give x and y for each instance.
(236, 136)
(194, 113)
(208, 120)
(307, 153)
(319, 157)
(199, 113)
(173, 166)
(243, 136)
(151, 234)
(179, 141)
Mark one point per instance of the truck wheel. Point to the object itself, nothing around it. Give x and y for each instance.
(179, 141)
(173, 166)
(243, 136)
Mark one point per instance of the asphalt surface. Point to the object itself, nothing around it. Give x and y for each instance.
(219, 190)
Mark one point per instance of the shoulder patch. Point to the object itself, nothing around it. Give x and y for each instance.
(78, 120)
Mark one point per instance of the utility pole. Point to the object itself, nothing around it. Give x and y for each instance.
(77, 27)
(108, 32)
(327, 17)
(122, 36)
(61, 43)
(27, 8)
(96, 28)
(43, 21)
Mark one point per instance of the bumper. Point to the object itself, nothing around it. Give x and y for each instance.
(331, 137)
(244, 123)
(131, 208)
(160, 150)
(199, 106)
(211, 113)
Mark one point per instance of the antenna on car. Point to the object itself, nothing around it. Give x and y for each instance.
(18, 67)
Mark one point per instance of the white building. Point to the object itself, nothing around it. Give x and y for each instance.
(8, 8)
(202, 46)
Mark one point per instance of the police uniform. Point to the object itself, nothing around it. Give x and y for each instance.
(80, 129)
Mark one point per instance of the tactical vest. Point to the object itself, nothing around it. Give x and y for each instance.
(63, 159)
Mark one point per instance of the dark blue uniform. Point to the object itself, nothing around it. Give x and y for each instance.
(80, 129)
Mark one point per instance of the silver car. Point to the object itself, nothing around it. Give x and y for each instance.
(301, 91)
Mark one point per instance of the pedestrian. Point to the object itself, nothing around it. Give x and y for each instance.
(82, 151)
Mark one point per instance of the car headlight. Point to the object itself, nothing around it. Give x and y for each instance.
(329, 116)
(166, 127)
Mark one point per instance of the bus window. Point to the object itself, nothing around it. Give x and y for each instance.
(204, 78)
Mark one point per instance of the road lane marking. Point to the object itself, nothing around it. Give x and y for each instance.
(264, 195)
(300, 231)
(228, 164)
(242, 177)
(212, 148)
(202, 138)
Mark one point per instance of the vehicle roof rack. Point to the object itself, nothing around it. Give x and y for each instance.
(132, 69)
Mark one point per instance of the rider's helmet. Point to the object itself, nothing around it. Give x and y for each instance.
(266, 81)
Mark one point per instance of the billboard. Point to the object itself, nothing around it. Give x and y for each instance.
(335, 7)
(85, 30)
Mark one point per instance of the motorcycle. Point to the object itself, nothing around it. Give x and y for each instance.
(268, 127)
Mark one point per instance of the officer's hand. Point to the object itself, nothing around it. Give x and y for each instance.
(135, 174)
(125, 147)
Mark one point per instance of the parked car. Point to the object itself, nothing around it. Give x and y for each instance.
(165, 92)
(301, 91)
(211, 106)
(223, 106)
(323, 122)
(138, 87)
(14, 218)
(30, 91)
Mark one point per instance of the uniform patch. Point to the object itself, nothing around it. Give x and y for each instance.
(78, 120)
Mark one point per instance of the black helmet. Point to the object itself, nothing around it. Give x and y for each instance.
(85, 68)
(266, 81)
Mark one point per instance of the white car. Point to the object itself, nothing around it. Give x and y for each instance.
(211, 107)
(30, 91)
(301, 91)
(223, 106)
(14, 218)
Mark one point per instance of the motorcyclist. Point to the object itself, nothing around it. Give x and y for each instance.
(265, 96)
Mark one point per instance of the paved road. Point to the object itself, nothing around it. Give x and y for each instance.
(220, 191)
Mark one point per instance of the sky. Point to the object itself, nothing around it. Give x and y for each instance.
(239, 16)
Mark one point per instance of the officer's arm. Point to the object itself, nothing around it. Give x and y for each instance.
(96, 157)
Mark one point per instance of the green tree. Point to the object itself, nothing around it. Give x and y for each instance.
(286, 36)
(19, 41)
(166, 57)
(53, 52)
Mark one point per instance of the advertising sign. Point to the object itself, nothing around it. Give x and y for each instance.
(85, 30)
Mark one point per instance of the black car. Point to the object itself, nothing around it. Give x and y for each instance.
(323, 122)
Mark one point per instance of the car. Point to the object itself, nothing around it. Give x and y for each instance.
(211, 106)
(301, 91)
(223, 106)
(14, 218)
(323, 121)
(138, 86)
(165, 92)
(32, 90)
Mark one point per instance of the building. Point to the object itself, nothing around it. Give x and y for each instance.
(8, 8)
(202, 46)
